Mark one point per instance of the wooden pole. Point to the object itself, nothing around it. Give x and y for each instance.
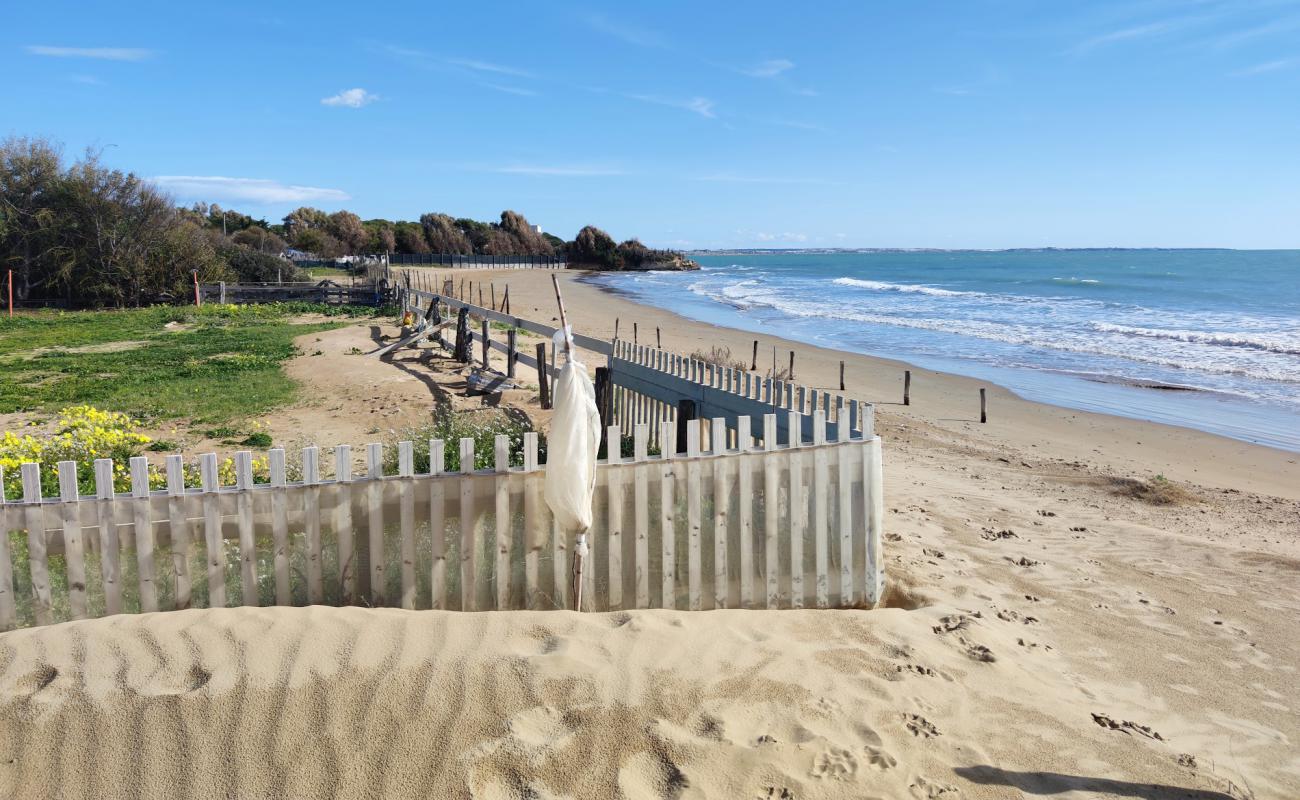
(907, 387)
(791, 365)
(511, 353)
(984, 416)
(505, 301)
(494, 296)
(634, 334)
(486, 343)
(753, 362)
(659, 343)
(197, 300)
(615, 327)
(841, 376)
(543, 390)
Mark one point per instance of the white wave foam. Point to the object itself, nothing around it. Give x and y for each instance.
(1075, 280)
(1286, 344)
(910, 288)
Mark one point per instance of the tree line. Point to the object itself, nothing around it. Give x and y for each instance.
(85, 233)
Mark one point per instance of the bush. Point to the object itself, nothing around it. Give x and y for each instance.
(481, 426)
(251, 266)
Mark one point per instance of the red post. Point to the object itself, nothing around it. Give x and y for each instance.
(197, 301)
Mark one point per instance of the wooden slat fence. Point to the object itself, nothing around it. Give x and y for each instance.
(754, 524)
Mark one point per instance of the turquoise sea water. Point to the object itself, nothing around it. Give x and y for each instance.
(1217, 330)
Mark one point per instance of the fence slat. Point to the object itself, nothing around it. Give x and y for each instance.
(311, 524)
(771, 512)
(406, 520)
(109, 547)
(468, 520)
(280, 527)
(42, 602)
(8, 603)
(247, 538)
(873, 486)
(721, 513)
(614, 530)
(144, 541)
(179, 530)
(745, 511)
(798, 527)
(74, 548)
(821, 481)
(214, 543)
(533, 530)
(641, 509)
(377, 574)
(693, 515)
(668, 515)
(437, 526)
(501, 517)
(844, 466)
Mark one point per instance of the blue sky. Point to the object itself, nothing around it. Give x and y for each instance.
(971, 123)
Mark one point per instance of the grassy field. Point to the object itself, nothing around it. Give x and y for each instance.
(210, 364)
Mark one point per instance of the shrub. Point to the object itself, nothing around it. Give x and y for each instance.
(481, 426)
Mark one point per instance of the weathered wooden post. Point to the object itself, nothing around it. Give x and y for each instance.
(222, 292)
(543, 390)
(512, 352)
(907, 387)
(461, 351)
(493, 287)
(685, 415)
(984, 416)
(659, 343)
(505, 301)
(603, 393)
(634, 333)
(753, 361)
(616, 327)
(791, 365)
(487, 344)
(841, 376)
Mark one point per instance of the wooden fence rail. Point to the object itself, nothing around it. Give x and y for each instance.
(758, 524)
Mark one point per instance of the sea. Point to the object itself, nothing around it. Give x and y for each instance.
(1206, 339)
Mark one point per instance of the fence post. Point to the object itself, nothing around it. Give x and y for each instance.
(461, 351)
(685, 415)
(222, 295)
(907, 387)
(487, 344)
(511, 352)
(603, 403)
(543, 390)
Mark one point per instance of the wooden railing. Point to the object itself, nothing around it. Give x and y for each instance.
(756, 525)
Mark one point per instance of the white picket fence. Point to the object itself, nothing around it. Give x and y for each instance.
(759, 525)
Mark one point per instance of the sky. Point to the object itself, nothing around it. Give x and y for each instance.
(970, 123)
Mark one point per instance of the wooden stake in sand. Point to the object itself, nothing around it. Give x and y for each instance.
(907, 387)
(659, 343)
(753, 362)
(841, 376)
(984, 416)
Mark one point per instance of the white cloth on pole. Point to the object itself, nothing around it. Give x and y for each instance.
(572, 445)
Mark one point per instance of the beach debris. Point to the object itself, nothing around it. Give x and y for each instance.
(992, 535)
(1023, 562)
(978, 652)
(572, 445)
(1043, 513)
(950, 623)
(1126, 727)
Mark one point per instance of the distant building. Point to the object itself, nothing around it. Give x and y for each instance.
(537, 229)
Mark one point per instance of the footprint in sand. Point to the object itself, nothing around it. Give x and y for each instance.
(836, 764)
(42, 677)
(925, 788)
(950, 623)
(775, 793)
(977, 652)
(919, 726)
(879, 760)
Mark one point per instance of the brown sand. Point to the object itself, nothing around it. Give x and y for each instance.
(1053, 634)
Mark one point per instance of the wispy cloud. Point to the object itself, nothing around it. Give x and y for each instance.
(726, 177)
(509, 89)
(642, 37)
(561, 171)
(485, 66)
(1239, 37)
(1136, 32)
(1266, 67)
(251, 190)
(700, 105)
(767, 69)
(350, 98)
(105, 53)
(781, 237)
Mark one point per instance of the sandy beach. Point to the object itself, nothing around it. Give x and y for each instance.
(1061, 623)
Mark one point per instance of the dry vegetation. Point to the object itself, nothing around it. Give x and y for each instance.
(1158, 491)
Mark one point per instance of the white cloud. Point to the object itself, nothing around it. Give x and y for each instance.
(700, 105)
(106, 53)
(509, 89)
(768, 69)
(1267, 66)
(642, 37)
(560, 171)
(252, 190)
(350, 98)
(781, 237)
(484, 66)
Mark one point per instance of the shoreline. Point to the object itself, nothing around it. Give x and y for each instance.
(1122, 446)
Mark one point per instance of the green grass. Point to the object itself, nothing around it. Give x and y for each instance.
(215, 364)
